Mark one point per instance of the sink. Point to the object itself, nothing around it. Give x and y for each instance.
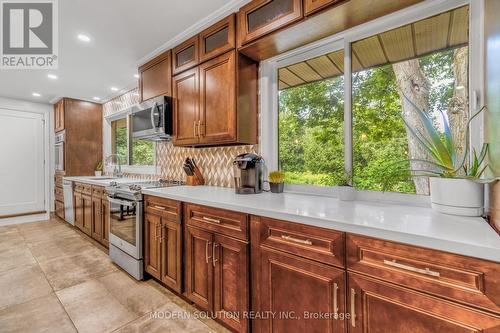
(101, 178)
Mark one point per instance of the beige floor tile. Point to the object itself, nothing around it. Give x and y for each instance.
(138, 297)
(15, 257)
(11, 239)
(169, 318)
(60, 247)
(8, 228)
(22, 284)
(92, 309)
(43, 314)
(36, 233)
(68, 271)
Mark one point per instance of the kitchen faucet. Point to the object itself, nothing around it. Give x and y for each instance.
(117, 172)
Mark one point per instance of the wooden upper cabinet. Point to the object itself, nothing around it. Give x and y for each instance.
(379, 307)
(59, 116)
(185, 55)
(155, 77)
(186, 107)
(260, 17)
(312, 6)
(218, 100)
(217, 39)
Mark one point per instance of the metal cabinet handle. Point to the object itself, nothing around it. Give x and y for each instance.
(207, 244)
(158, 234)
(425, 271)
(335, 299)
(353, 307)
(159, 207)
(214, 260)
(295, 240)
(195, 132)
(208, 219)
(199, 129)
(164, 233)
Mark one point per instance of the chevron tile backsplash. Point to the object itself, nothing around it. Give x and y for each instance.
(215, 163)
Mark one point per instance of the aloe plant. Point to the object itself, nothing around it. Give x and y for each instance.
(444, 161)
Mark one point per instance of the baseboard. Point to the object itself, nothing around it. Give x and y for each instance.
(24, 218)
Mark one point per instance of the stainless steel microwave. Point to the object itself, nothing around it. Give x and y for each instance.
(153, 119)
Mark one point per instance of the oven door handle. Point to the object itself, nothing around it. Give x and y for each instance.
(122, 202)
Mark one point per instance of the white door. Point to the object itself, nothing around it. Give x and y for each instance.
(22, 179)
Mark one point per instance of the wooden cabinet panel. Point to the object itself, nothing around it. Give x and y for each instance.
(231, 281)
(59, 116)
(185, 55)
(171, 254)
(312, 6)
(199, 268)
(260, 17)
(323, 245)
(97, 219)
(289, 283)
(217, 39)
(218, 100)
(105, 222)
(152, 235)
(155, 77)
(59, 194)
(379, 307)
(170, 210)
(78, 208)
(86, 226)
(221, 221)
(463, 279)
(59, 209)
(186, 107)
(58, 178)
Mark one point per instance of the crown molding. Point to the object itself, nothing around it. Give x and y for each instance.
(229, 8)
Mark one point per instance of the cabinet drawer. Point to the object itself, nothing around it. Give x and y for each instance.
(58, 179)
(87, 189)
(323, 245)
(169, 209)
(78, 187)
(468, 280)
(225, 222)
(59, 194)
(98, 192)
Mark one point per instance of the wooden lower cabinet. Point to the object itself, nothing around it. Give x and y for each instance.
(217, 276)
(152, 260)
(171, 254)
(78, 209)
(105, 222)
(87, 214)
(292, 287)
(97, 229)
(379, 307)
(59, 209)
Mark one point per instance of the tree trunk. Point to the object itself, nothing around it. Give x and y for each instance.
(458, 107)
(414, 85)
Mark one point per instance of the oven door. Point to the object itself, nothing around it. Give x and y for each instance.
(125, 226)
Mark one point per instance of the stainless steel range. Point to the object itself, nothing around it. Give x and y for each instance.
(126, 216)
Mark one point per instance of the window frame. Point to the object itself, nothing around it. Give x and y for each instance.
(108, 146)
(268, 85)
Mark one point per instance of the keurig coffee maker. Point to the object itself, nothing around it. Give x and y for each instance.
(248, 174)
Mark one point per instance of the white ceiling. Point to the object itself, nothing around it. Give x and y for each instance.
(124, 34)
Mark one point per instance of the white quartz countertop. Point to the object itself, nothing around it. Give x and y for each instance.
(406, 224)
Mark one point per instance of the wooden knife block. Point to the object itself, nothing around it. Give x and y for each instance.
(195, 180)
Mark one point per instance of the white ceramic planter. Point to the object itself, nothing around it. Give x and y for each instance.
(98, 173)
(346, 193)
(457, 196)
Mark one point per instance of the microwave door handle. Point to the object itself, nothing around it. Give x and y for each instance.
(153, 116)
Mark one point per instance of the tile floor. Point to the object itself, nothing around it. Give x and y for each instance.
(54, 279)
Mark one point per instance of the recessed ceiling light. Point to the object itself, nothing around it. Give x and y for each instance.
(114, 89)
(36, 94)
(52, 76)
(97, 98)
(84, 38)
(136, 76)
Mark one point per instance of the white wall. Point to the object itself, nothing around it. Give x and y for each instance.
(46, 109)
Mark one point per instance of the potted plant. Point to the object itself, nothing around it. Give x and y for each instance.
(455, 184)
(345, 189)
(98, 169)
(277, 181)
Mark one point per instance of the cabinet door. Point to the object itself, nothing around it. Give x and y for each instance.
(59, 116)
(185, 55)
(218, 100)
(59, 209)
(156, 77)
(105, 222)
(78, 209)
(260, 17)
(311, 6)
(231, 279)
(152, 235)
(171, 254)
(295, 287)
(87, 214)
(217, 39)
(97, 219)
(379, 307)
(186, 107)
(199, 269)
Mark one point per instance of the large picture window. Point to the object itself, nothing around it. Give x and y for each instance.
(425, 63)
